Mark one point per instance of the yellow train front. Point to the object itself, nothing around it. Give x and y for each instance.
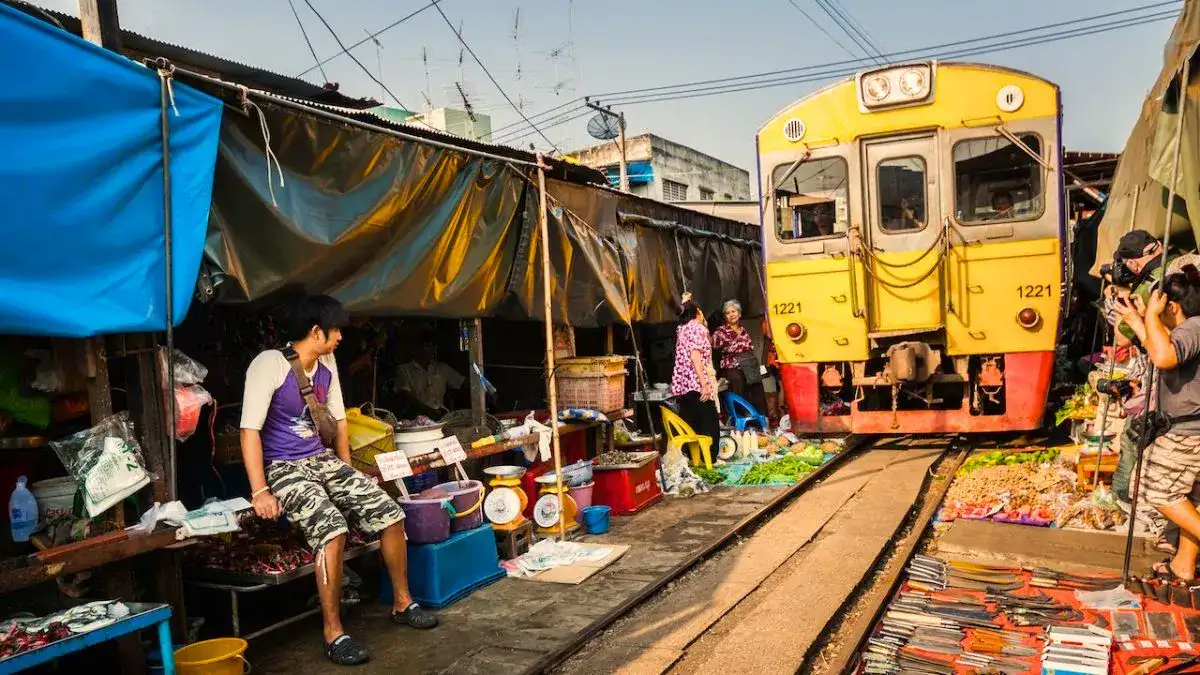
(913, 236)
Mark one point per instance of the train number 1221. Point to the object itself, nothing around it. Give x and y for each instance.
(1035, 291)
(785, 308)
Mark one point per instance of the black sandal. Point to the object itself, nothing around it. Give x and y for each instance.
(415, 617)
(1162, 570)
(344, 651)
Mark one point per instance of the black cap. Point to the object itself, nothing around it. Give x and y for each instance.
(1135, 244)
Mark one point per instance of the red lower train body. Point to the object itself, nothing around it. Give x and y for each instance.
(1025, 385)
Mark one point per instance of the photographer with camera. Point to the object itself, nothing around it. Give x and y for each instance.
(1168, 326)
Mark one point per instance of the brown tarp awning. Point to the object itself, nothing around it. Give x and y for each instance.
(1144, 171)
(399, 227)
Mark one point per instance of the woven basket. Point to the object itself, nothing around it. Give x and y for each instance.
(462, 425)
(368, 437)
(592, 383)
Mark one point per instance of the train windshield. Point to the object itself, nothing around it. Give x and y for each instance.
(996, 181)
(811, 199)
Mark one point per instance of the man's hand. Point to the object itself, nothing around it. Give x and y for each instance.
(266, 505)
(1130, 309)
(1158, 303)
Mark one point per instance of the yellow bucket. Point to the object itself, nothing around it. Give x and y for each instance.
(222, 656)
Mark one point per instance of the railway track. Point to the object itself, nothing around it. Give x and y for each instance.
(794, 588)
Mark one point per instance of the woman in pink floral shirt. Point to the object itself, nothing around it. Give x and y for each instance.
(693, 383)
(732, 340)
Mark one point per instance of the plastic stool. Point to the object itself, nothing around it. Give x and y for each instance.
(742, 413)
(680, 432)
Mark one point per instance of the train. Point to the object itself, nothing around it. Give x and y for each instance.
(913, 224)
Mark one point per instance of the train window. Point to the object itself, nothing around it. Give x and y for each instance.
(995, 181)
(812, 198)
(901, 194)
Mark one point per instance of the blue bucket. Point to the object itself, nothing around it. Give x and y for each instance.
(595, 519)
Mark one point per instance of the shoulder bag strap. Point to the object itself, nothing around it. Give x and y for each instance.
(305, 384)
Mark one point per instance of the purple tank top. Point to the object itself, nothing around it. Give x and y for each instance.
(288, 432)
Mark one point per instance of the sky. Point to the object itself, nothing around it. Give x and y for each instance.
(545, 53)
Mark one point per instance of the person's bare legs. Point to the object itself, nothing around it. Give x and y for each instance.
(1185, 515)
(394, 547)
(329, 587)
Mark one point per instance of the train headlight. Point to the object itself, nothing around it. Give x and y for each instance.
(876, 88)
(1029, 318)
(914, 83)
(908, 84)
(795, 332)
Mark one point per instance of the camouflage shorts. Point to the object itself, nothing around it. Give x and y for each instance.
(320, 493)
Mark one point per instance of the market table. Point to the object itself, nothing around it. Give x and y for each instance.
(142, 616)
(237, 583)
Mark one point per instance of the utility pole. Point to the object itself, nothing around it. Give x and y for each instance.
(606, 110)
(100, 24)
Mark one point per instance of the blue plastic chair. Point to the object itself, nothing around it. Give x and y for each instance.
(742, 413)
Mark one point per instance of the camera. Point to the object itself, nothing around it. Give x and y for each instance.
(1121, 389)
(1118, 274)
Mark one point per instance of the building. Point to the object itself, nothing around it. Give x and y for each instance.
(456, 122)
(667, 171)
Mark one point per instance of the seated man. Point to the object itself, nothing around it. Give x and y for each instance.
(1002, 206)
(293, 472)
(422, 382)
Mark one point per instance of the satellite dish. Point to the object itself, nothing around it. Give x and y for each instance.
(604, 126)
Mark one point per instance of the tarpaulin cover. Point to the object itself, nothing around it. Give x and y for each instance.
(82, 186)
(1138, 199)
(398, 227)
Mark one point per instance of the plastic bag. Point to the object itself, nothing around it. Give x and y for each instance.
(187, 369)
(1115, 598)
(106, 461)
(189, 399)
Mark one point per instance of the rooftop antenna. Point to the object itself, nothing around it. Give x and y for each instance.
(378, 63)
(467, 107)
(425, 59)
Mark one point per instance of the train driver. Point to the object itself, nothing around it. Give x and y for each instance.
(1002, 205)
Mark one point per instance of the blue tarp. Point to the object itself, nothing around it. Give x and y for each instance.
(81, 192)
(640, 173)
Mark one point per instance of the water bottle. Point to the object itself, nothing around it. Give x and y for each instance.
(22, 512)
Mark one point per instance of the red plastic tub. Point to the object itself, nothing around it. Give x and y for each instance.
(627, 491)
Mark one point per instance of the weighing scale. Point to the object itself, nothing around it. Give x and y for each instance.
(505, 504)
(546, 512)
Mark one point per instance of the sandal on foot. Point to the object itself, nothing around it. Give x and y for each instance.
(415, 617)
(1164, 545)
(344, 651)
(1162, 570)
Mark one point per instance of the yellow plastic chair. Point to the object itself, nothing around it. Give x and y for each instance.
(680, 432)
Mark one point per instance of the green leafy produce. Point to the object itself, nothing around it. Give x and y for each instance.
(710, 475)
(787, 469)
(998, 458)
(811, 455)
(1080, 406)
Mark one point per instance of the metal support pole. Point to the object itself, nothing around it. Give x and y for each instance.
(1152, 376)
(624, 184)
(548, 317)
(475, 356)
(164, 76)
(1112, 364)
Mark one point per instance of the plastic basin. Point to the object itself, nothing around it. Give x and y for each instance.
(467, 498)
(222, 656)
(583, 499)
(426, 521)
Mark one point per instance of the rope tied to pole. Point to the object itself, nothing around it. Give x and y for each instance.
(264, 129)
(166, 73)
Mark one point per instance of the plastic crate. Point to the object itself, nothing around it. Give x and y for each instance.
(592, 382)
(368, 437)
(443, 573)
(627, 491)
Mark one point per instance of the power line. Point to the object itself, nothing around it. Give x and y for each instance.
(370, 36)
(957, 49)
(893, 56)
(858, 26)
(355, 58)
(458, 34)
(831, 70)
(813, 21)
(306, 40)
(841, 23)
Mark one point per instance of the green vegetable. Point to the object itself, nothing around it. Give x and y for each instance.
(710, 475)
(786, 469)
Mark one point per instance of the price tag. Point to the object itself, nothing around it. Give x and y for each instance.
(452, 451)
(393, 465)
